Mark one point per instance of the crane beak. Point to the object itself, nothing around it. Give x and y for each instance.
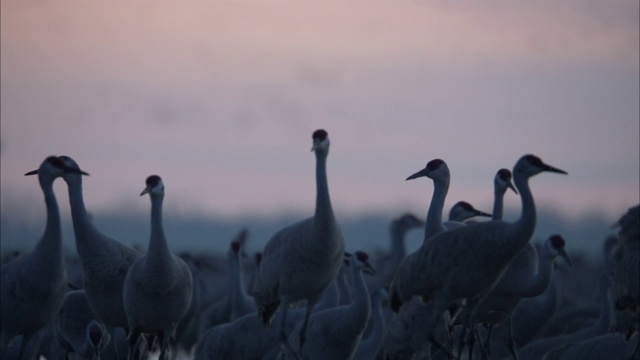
(75, 171)
(145, 191)
(420, 173)
(550, 168)
(32, 172)
(565, 256)
(512, 187)
(482, 213)
(369, 269)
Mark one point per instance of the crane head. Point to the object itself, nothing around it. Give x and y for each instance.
(462, 211)
(435, 169)
(56, 166)
(154, 185)
(557, 243)
(530, 165)
(502, 181)
(320, 141)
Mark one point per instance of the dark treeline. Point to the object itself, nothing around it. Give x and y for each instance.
(200, 233)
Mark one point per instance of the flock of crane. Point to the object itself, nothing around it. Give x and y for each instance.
(472, 289)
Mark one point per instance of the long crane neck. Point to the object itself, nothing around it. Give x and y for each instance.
(82, 224)
(538, 282)
(433, 223)
(361, 305)
(324, 220)
(526, 224)
(158, 255)
(498, 204)
(49, 249)
(370, 346)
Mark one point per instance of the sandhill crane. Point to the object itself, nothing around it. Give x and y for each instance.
(370, 345)
(158, 287)
(33, 286)
(300, 261)
(186, 333)
(459, 214)
(105, 261)
(77, 329)
(388, 264)
(501, 182)
(540, 348)
(247, 338)
(462, 211)
(462, 265)
(438, 171)
(236, 301)
(407, 336)
(528, 275)
(335, 333)
(531, 314)
(626, 267)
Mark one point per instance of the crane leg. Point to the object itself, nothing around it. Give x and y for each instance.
(134, 334)
(485, 348)
(512, 342)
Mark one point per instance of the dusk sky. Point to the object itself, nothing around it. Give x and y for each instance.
(220, 99)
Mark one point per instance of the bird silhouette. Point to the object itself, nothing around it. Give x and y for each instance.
(528, 275)
(438, 171)
(236, 302)
(77, 329)
(335, 333)
(158, 286)
(105, 261)
(461, 266)
(370, 345)
(300, 261)
(541, 348)
(501, 182)
(33, 286)
(462, 211)
(388, 263)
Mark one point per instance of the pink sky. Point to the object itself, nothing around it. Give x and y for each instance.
(220, 99)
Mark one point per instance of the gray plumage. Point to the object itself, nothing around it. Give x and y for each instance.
(462, 211)
(370, 345)
(105, 261)
(77, 329)
(398, 229)
(335, 333)
(158, 287)
(247, 338)
(236, 302)
(528, 275)
(501, 182)
(540, 348)
(438, 171)
(300, 261)
(33, 286)
(463, 265)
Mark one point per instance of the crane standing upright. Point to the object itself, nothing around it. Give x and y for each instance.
(300, 261)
